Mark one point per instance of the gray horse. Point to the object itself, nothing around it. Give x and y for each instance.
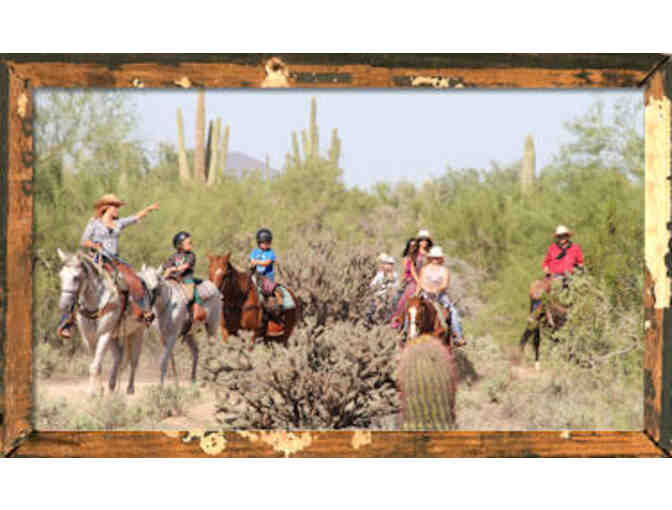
(98, 304)
(172, 315)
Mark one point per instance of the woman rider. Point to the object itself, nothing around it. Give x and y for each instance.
(413, 262)
(101, 236)
(434, 280)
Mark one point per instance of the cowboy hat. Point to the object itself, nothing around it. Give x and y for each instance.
(423, 234)
(110, 199)
(387, 259)
(382, 257)
(562, 230)
(435, 253)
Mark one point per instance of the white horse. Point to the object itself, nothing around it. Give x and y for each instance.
(98, 306)
(170, 307)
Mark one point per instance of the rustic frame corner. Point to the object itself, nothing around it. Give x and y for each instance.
(21, 74)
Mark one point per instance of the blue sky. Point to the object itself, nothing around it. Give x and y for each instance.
(386, 135)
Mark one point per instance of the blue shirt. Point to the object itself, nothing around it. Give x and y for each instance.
(260, 254)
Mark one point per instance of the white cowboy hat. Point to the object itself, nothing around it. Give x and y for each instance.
(435, 253)
(423, 234)
(382, 257)
(562, 230)
(388, 259)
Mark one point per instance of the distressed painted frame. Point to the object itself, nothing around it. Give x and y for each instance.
(21, 74)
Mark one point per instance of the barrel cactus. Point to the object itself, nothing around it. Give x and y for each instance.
(427, 379)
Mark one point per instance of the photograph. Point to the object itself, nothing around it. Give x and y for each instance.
(414, 260)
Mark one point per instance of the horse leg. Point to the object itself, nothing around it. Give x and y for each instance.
(536, 343)
(191, 342)
(96, 366)
(136, 347)
(524, 339)
(171, 338)
(116, 353)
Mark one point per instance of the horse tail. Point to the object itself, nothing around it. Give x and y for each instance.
(427, 379)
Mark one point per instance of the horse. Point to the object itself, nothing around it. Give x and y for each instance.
(427, 382)
(542, 312)
(421, 317)
(99, 306)
(172, 316)
(241, 307)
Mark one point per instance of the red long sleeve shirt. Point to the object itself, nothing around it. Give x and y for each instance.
(574, 257)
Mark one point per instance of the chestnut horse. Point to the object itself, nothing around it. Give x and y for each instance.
(422, 317)
(543, 312)
(241, 306)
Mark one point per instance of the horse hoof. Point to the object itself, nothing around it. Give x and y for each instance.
(130, 391)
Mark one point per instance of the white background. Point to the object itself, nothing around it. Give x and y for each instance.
(568, 26)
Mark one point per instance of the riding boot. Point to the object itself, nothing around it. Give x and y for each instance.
(199, 312)
(140, 314)
(64, 329)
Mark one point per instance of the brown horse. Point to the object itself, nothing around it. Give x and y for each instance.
(543, 312)
(422, 318)
(241, 307)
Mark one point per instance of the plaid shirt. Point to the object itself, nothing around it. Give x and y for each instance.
(97, 232)
(178, 259)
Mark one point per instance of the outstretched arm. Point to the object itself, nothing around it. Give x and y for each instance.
(141, 214)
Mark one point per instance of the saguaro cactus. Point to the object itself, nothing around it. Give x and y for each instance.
(427, 379)
(224, 151)
(335, 148)
(199, 149)
(185, 174)
(214, 153)
(527, 168)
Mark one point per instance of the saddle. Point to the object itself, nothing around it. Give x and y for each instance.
(132, 286)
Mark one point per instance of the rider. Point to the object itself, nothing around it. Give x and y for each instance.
(415, 256)
(386, 278)
(180, 267)
(434, 280)
(101, 236)
(262, 260)
(563, 255)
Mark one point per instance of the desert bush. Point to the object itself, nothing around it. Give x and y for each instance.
(161, 402)
(335, 378)
(596, 332)
(330, 278)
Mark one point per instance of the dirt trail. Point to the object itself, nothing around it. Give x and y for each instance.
(198, 413)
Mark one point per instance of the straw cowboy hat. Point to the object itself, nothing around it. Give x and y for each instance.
(423, 234)
(110, 199)
(384, 258)
(435, 253)
(562, 230)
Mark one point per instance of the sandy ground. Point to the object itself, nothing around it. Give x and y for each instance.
(74, 389)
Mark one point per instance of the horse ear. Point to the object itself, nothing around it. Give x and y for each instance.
(228, 255)
(144, 267)
(63, 256)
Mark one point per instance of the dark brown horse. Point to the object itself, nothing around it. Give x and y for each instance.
(241, 307)
(422, 318)
(542, 312)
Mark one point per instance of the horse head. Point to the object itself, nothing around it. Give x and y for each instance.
(415, 313)
(219, 268)
(77, 271)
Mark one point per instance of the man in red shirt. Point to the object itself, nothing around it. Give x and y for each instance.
(563, 255)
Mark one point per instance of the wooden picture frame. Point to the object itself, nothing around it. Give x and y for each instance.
(20, 75)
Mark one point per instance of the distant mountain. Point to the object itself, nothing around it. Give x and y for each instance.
(236, 162)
